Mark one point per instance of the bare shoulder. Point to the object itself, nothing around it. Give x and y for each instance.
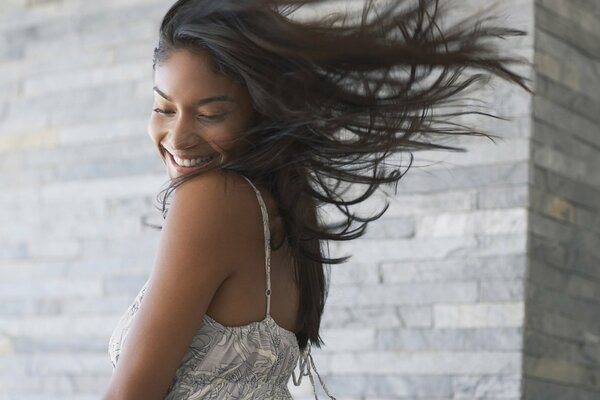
(220, 208)
(217, 185)
(219, 199)
(204, 237)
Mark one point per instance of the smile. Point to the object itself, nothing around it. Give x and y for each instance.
(187, 165)
(193, 162)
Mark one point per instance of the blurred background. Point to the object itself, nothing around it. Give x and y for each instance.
(482, 281)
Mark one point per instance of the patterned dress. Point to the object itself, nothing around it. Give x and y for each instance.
(252, 361)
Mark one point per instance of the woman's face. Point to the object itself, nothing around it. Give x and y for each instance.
(196, 114)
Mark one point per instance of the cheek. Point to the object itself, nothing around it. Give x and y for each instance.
(223, 137)
(154, 130)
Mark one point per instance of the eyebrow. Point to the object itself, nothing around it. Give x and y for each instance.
(200, 101)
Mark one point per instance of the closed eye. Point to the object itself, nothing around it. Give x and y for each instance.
(161, 111)
(216, 117)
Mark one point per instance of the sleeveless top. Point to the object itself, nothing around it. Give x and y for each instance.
(251, 361)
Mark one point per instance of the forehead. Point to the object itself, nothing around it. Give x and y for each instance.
(187, 75)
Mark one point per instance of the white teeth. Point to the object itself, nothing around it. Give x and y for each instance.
(192, 163)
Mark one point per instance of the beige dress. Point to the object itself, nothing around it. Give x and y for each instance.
(252, 361)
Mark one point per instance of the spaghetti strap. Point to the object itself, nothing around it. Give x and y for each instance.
(305, 360)
(267, 235)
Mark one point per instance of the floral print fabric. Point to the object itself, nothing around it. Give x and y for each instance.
(253, 361)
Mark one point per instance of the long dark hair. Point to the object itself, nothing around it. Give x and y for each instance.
(335, 97)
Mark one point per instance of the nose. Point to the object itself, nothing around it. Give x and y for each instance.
(183, 133)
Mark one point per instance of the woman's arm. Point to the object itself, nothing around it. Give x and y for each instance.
(194, 258)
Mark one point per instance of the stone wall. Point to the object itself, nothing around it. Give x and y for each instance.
(431, 305)
(562, 327)
(77, 172)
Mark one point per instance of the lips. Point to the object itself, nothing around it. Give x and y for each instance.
(186, 169)
(187, 162)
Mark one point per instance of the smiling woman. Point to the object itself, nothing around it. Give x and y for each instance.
(198, 124)
(261, 120)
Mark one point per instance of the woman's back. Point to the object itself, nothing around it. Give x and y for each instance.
(250, 360)
(241, 298)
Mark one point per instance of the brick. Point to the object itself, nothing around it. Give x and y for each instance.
(551, 252)
(374, 386)
(553, 160)
(570, 145)
(50, 288)
(553, 206)
(100, 133)
(67, 363)
(57, 83)
(54, 249)
(13, 250)
(551, 228)
(505, 386)
(351, 273)
(579, 193)
(103, 188)
(478, 315)
(579, 29)
(503, 290)
(465, 178)
(432, 249)
(422, 293)
(489, 222)
(551, 299)
(537, 389)
(566, 97)
(588, 220)
(542, 345)
(442, 363)
(503, 197)
(339, 340)
(65, 344)
(6, 345)
(142, 50)
(479, 152)
(415, 316)
(369, 251)
(416, 204)
(584, 288)
(391, 228)
(16, 308)
(124, 284)
(69, 156)
(441, 339)
(546, 275)
(559, 371)
(557, 325)
(455, 269)
(98, 104)
(102, 306)
(89, 383)
(56, 326)
(565, 120)
(17, 133)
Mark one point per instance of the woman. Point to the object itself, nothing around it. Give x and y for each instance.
(259, 117)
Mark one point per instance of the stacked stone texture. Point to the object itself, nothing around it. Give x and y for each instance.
(561, 359)
(481, 280)
(77, 173)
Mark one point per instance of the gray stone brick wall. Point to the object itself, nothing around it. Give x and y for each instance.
(481, 280)
(77, 173)
(561, 355)
(431, 304)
